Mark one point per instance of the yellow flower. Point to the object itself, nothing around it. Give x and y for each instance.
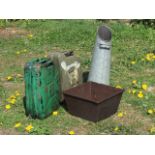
(55, 113)
(120, 114)
(17, 93)
(149, 57)
(29, 128)
(17, 125)
(116, 128)
(17, 52)
(133, 62)
(12, 101)
(134, 82)
(30, 36)
(133, 91)
(144, 86)
(150, 111)
(9, 78)
(71, 132)
(8, 106)
(152, 130)
(140, 94)
(12, 97)
(118, 86)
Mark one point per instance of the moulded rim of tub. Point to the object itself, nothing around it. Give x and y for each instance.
(74, 93)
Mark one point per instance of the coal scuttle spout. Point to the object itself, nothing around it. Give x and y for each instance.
(101, 60)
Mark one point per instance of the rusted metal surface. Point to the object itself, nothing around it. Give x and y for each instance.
(93, 101)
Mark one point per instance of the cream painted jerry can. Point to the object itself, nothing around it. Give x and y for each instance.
(69, 67)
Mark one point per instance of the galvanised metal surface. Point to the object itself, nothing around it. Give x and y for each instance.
(101, 60)
(41, 88)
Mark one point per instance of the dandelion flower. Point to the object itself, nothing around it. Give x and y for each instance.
(9, 78)
(120, 114)
(134, 82)
(17, 93)
(149, 56)
(133, 91)
(29, 128)
(17, 125)
(55, 113)
(12, 101)
(8, 106)
(12, 97)
(144, 86)
(116, 128)
(30, 36)
(140, 94)
(118, 86)
(150, 111)
(71, 132)
(133, 62)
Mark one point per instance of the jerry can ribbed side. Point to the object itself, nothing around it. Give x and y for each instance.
(69, 67)
(41, 88)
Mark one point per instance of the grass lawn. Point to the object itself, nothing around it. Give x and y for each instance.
(21, 40)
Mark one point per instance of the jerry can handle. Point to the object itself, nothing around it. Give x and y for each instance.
(48, 63)
(68, 53)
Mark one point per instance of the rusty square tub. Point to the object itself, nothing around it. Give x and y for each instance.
(93, 101)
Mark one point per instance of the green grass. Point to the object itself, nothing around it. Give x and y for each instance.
(128, 44)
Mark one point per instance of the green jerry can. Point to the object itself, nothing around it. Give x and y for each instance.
(41, 88)
(69, 67)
